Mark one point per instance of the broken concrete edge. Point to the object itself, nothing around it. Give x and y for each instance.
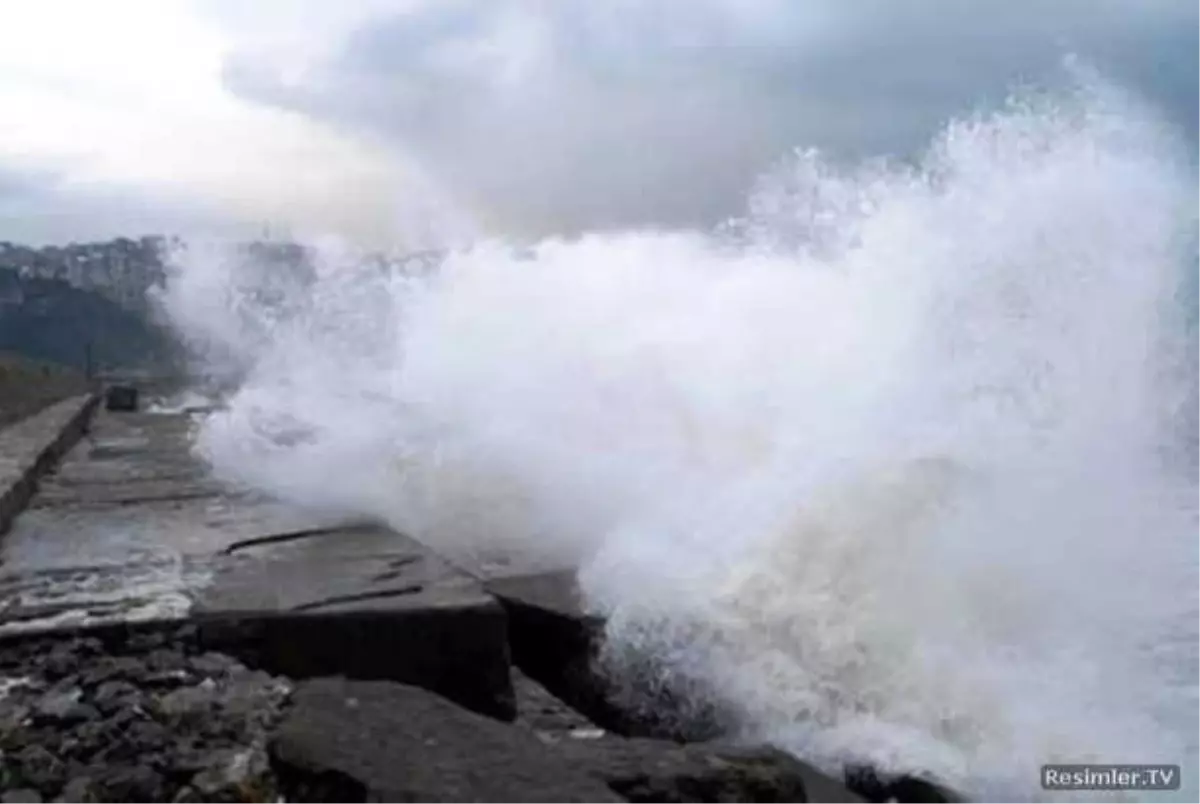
(108, 632)
(555, 642)
(461, 654)
(78, 411)
(464, 654)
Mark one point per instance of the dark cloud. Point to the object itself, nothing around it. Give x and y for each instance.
(566, 115)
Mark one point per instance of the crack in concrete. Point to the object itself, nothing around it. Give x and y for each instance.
(72, 501)
(396, 567)
(286, 536)
(411, 589)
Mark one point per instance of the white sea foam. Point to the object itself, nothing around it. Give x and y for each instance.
(877, 470)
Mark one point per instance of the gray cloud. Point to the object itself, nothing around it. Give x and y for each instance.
(40, 207)
(23, 186)
(568, 115)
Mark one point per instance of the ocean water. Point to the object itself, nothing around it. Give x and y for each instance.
(896, 468)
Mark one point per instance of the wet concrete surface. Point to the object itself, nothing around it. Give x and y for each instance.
(132, 528)
(136, 587)
(133, 491)
(128, 526)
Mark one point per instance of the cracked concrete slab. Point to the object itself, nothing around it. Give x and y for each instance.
(366, 603)
(130, 458)
(132, 492)
(126, 528)
(332, 565)
(132, 528)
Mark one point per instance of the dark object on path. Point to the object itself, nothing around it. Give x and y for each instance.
(121, 397)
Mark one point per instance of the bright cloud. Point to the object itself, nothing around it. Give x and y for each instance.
(127, 101)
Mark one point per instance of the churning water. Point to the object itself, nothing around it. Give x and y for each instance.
(899, 468)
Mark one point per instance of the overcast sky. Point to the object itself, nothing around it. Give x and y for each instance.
(520, 116)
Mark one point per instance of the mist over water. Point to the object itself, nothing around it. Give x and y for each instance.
(899, 468)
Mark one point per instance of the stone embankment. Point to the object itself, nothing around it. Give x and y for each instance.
(164, 638)
(30, 447)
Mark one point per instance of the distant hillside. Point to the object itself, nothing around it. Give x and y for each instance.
(27, 386)
(49, 320)
(56, 300)
(121, 269)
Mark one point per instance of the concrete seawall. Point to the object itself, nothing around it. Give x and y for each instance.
(165, 637)
(31, 447)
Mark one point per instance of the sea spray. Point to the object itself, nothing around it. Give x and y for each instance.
(875, 473)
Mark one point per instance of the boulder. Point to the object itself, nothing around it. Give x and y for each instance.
(21, 796)
(876, 786)
(384, 741)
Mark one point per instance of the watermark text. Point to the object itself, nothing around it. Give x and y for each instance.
(1110, 777)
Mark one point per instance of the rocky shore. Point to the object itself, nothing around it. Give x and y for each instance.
(164, 638)
(153, 715)
(146, 717)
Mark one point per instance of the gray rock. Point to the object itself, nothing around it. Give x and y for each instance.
(64, 706)
(89, 646)
(141, 726)
(78, 789)
(880, 787)
(657, 770)
(13, 715)
(353, 740)
(21, 796)
(164, 660)
(249, 694)
(128, 668)
(232, 774)
(186, 702)
(140, 739)
(112, 696)
(211, 665)
(382, 741)
(131, 783)
(60, 662)
(37, 767)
